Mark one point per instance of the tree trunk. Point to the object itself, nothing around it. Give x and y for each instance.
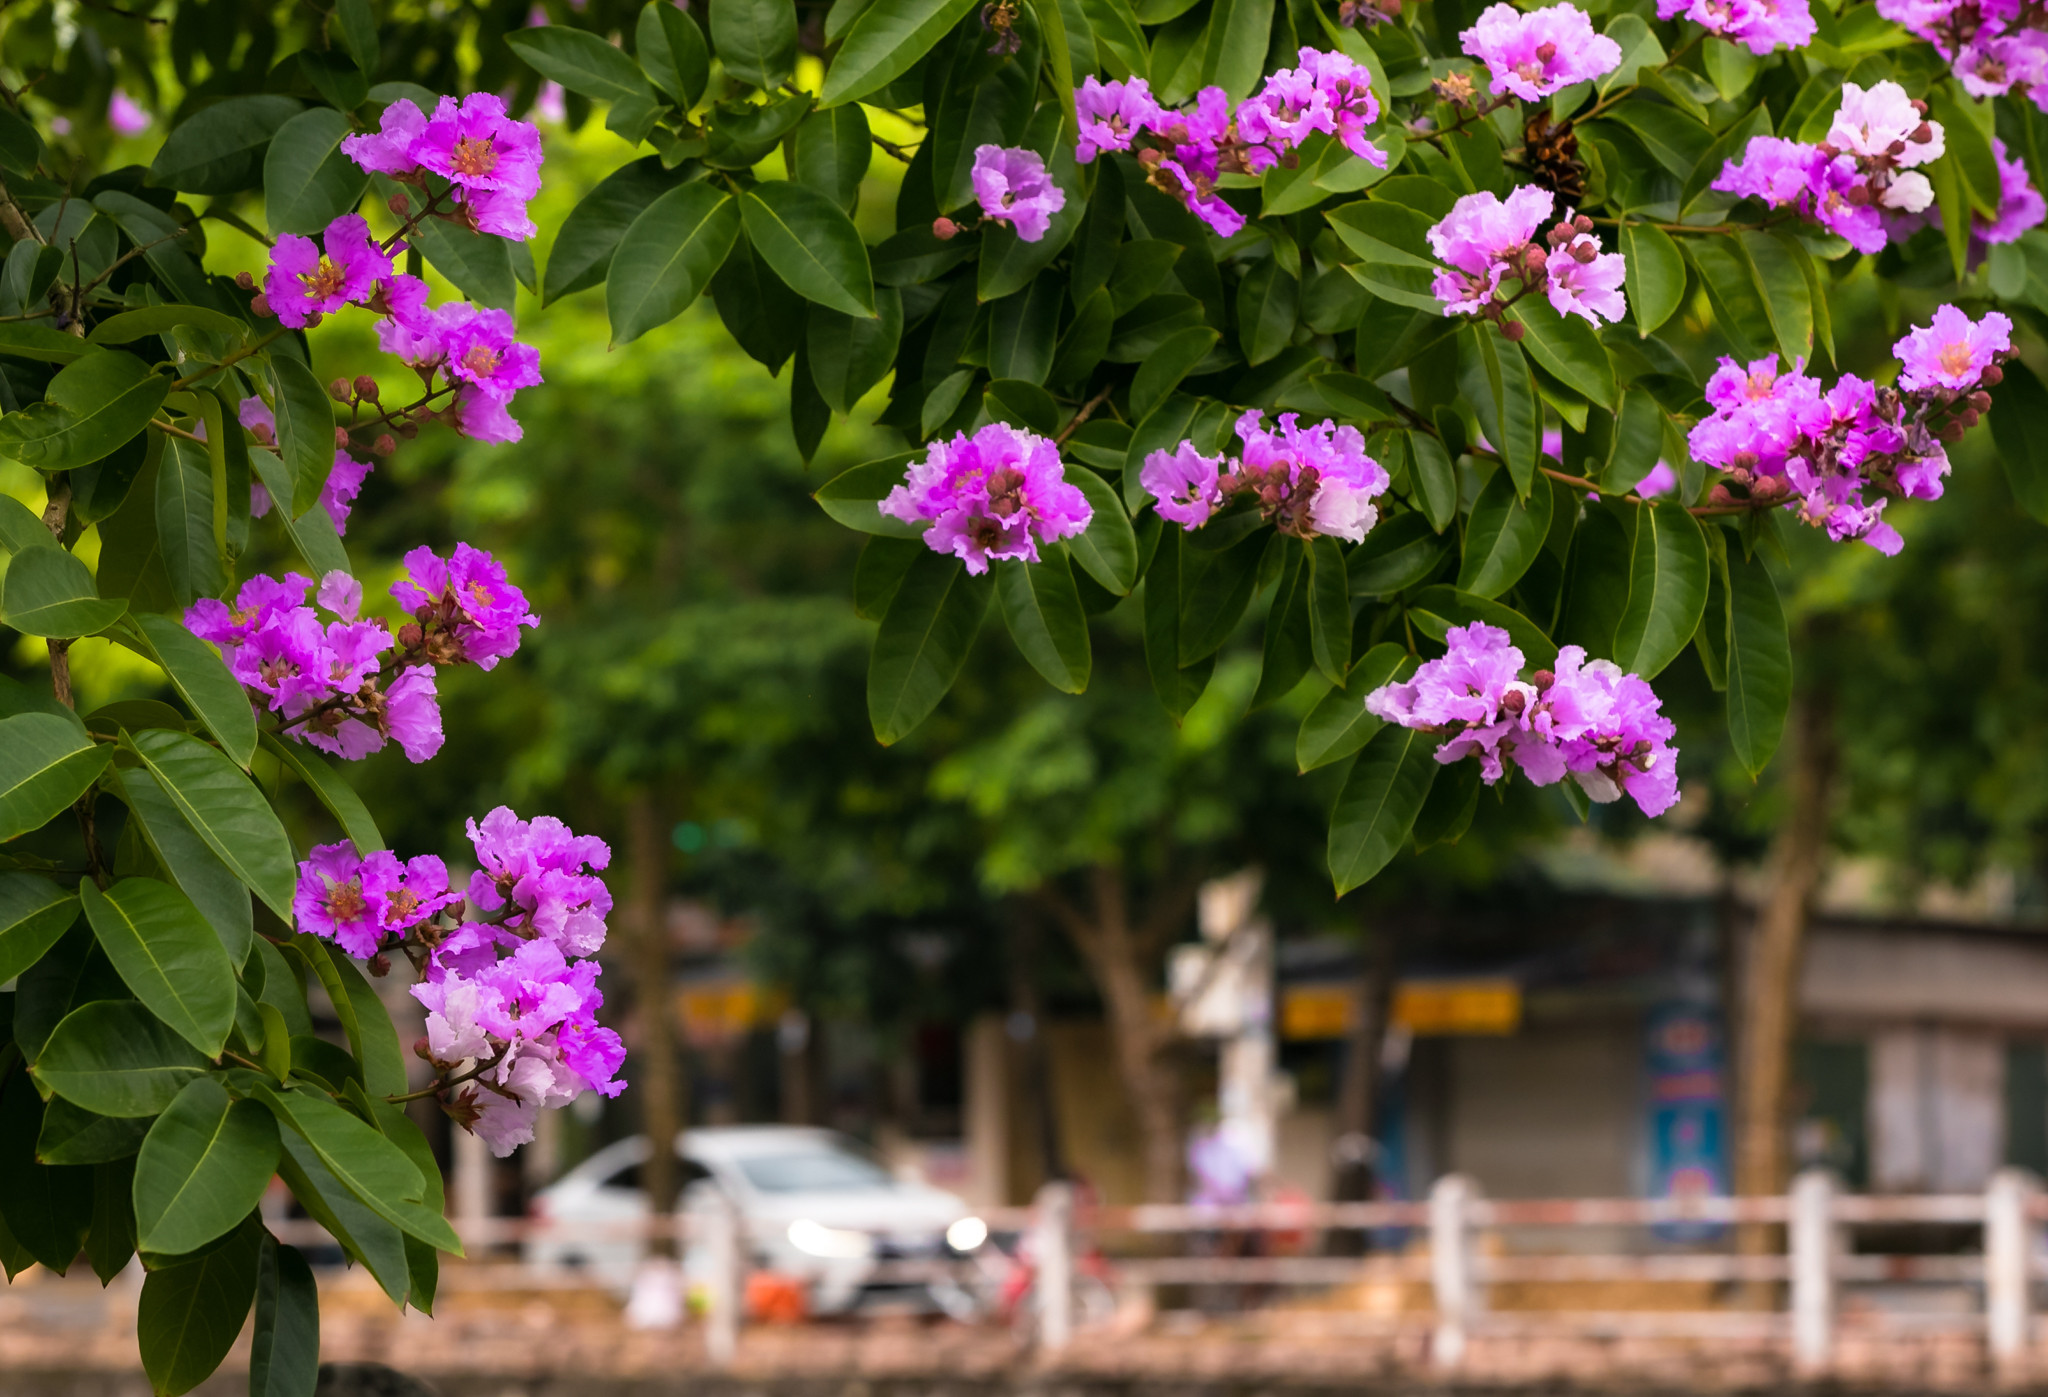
(1027, 1006)
(1123, 959)
(657, 1083)
(1771, 970)
(1355, 1166)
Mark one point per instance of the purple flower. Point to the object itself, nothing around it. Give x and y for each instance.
(1953, 351)
(1189, 168)
(481, 351)
(2020, 206)
(1608, 727)
(1583, 280)
(1762, 25)
(391, 149)
(127, 118)
(1483, 240)
(475, 613)
(1112, 114)
(481, 417)
(1183, 484)
(1313, 480)
(341, 594)
(409, 329)
(261, 602)
(344, 482)
(1013, 187)
(341, 899)
(412, 712)
(1535, 54)
(474, 144)
(419, 889)
(306, 279)
(1347, 86)
(1883, 124)
(997, 494)
(538, 867)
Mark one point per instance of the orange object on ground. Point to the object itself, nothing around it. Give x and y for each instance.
(777, 1299)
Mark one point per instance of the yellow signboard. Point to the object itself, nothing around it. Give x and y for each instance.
(715, 1011)
(1423, 1007)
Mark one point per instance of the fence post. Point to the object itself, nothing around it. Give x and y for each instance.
(1450, 1267)
(2008, 1270)
(725, 1249)
(1052, 1244)
(1811, 1240)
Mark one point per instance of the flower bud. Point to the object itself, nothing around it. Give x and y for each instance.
(1979, 400)
(945, 229)
(1950, 432)
(380, 965)
(338, 390)
(1859, 195)
(1512, 331)
(383, 446)
(410, 635)
(1582, 253)
(408, 430)
(1582, 224)
(1535, 259)
(341, 438)
(1899, 147)
(1719, 495)
(1545, 52)
(1514, 701)
(245, 281)
(1968, 417)
(421, 412)
(399, 205)
(421, 1049)
(1992, 376)
(1543, 678)
(366, 388)
(1920, 106)
(260, 305)
(314, 319)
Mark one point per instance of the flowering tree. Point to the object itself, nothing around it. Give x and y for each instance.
(1404, 323)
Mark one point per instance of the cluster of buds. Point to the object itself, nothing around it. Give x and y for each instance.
(1304, 481)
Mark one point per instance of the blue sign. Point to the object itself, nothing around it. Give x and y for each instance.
(1688, 1078)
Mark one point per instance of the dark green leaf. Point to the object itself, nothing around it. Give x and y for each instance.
(1504, 537)
(219, 149)
(73, 1135)
(831, 153)
(480, 264)
(1596, 582)
(581, 254)
(46, 763)
(218, 800)
(667, 258)
(1339, 725)
(47, 1207)
(1267, 304)
(1107, 549)
(1781, 286)
(1043, 611)
(305, 429)
(184, 521)
(1436, 609)
(336, 794)
(34, 912)
(1436, 484)
(1568, 347)
(369, 1239)
(810, 243)
(363, 1016)
(1178, 687)
(1656, 274)
(49, 592)
(132, 325)
(110, 1242)
(1216, 586)
(851, 497)
(1667, 590)
(1759, 662)
(284, 1347)
(1329, 608)
(879, 572)
(672, 52)
(114, 1057)
(584, 63)
(1396, 555)
(307, 181)
(191, 1313)
(92, 405)
(923, 643)
(2020, 428)
(849, 354)
(201, 679)
(756, 39)
(375, 1170)
(168, 955)
(1378, 805)
(202, 1169)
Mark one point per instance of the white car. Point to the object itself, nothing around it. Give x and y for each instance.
(812, 1205)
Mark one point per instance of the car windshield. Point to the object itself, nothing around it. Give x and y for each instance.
(814, 1171)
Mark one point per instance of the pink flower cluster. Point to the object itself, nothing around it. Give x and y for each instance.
(997, 494)
(506, 974)
(307, 280)
(1013, 187)
(1761, 25)
(330, 681)
(1304, 481)
(344, 479)
(1184, 152)
(1535, 53)
(490, 161)
(1485, 241)
(1589, 720)
(1994, 45)
(2020, 208)
(1858, 181)
(1838, 455)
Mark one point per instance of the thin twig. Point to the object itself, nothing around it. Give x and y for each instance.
(1087, 411)
(244, 352)
(891, 148)
(238, 223)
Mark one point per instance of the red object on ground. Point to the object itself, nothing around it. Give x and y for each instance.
(777, 1299)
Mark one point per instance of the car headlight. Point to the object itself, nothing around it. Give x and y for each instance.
(967, 1234)
(831, 1243)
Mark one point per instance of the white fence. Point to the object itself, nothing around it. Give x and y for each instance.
(1069, 1247)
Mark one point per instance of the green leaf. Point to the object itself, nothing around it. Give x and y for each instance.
(849, 354)
(305, 429)
(583, 62)
(480, 264)
(1176, 685)
(1638, 437)
(923, 643)
(1656, 274)
(197, 870)
(1568, 347)
(356, 26)
(1378, 805)
(167, 954)
(132, 325)
(1023, 332)
(810, 243)
(1329, 608)
(376, 1171)
(1107, 549)
(364, 1019)
(114, 1057)
(1966, 142)
(1164, 368)
(667, 258)
(34, 912)
(336, 794)
(1639, 49)
(885, 43)
(1436, 485)
(582, 252)
(203, 681)
(110, 1243)
(202, 1168)
(1436, 609)
(307, 181)
(1042, 608)
(1596, 582)
(230, 814)
(879, 572)
(2020, 429)
(1667, 590)
(1268, 302)
(191, 1313)
(73, 1135)
(1231, 52)
(1952, 198)
(46, 763)
(1339, 725)
(49, 592)
(29, 341)
(48, 1209)
(284, 1346)
(1497, 381)
(1759, 662)
(1781, 285)
(367, 1238)
(672, 52)
(1399, 553)
(1504, 537)
(1021, 404)
(312, 532)
(21, 149)
(1216, 585)
(184, 522)
(756, 39)
(219, 149)
(851, 497)
(92, 405)
(831, 153)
